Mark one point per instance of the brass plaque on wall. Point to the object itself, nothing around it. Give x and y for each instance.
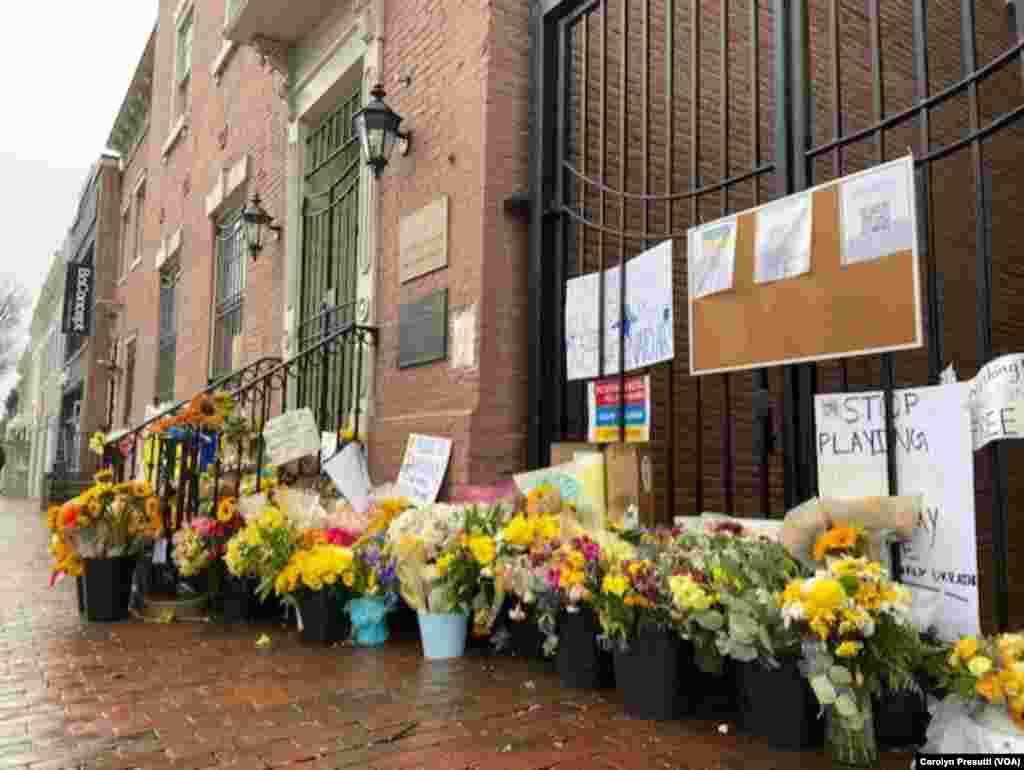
(423, 240)
(423, 330)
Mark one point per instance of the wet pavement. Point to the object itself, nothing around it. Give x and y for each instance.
(195, 695)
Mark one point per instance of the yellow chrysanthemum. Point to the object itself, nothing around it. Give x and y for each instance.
(483, 549)
(824, 595)
(848, 649)
(615, 584)
(837, 540)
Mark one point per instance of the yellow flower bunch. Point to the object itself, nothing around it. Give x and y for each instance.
(66, 558)
(688, 595)
(615, 583)
(385, 512)
(992, 669)
(531, 531)
(227, 510)
(314, 568)
(840, 540)
(483, 549)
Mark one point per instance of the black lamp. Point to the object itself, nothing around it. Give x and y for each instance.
(376, 125)
(257, 221)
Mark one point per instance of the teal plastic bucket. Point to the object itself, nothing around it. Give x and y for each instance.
(369, 620)
(444, 636)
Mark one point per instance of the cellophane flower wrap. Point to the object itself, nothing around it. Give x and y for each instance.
(525, 545)
(372, 573)
(320, 567)
(986, 671)
(263, 548)
(466, 568)
(857, 632)
(194, 548)
(109, 520)
(416, 539)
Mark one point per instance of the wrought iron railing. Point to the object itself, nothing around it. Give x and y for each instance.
(176, 460)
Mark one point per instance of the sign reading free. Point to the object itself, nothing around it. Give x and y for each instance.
(605, 405)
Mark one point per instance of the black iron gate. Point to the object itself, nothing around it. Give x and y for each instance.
(651, 116)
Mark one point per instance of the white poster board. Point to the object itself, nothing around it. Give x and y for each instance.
(647, 322)
(350, 474)
(291, 436)
(933, 458)
(423, 468)
(997, 401)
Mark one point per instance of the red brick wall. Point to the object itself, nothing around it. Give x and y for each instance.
(467, 107)
(242, 115)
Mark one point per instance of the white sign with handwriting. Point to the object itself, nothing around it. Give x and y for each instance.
(423, 469)
(291, 436)
(997, 401)
(933, 458)
(348, 470)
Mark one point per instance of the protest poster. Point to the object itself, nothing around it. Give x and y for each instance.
(605, 410)
(423, 468)
(932, 441)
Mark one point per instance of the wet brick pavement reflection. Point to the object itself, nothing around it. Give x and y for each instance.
(192, 696)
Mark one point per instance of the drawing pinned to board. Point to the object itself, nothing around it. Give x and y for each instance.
(876, 213)
(712, 258)
(782, 248)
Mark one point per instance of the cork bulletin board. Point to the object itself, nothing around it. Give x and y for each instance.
(832, 311)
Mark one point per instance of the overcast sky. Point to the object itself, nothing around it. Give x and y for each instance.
(66, 70)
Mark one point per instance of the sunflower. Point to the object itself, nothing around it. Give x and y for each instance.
(227, 510)
(838, 540)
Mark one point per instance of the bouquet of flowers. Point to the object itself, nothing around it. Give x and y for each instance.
(110, 520)
(524, 547)
(263, 548)
(634, 596)
(194, 546)
(574, 576)
(321, 567)
(66, 559)
(373, 570)
(416, 540)
(987, 671)
(857, 634)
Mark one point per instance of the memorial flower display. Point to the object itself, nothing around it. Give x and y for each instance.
(66, 559)
(110, 520)
(263, 548)
(194, 547)
(857, 634)
(987, 671)
(634, 597)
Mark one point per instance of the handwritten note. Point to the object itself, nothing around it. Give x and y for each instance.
(996, 398)
(782, 248)
(423, 469)
(291, 436)
(348, 470)
(932, 441)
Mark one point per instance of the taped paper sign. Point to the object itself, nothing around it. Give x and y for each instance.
(580, 483)
(348, 470)
(782, 247)
(604, 406)
(423, 468)
(712, 258)
(996, 399)
(877, 212)
(934, 459)
(291, 436)
(646, 324)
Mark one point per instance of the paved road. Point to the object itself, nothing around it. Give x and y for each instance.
(192, 696)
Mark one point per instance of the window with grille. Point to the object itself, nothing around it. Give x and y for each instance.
(126, 246)
(129, 382)
(183, 63)
(139, 218)
(230, 293)
(167, 346)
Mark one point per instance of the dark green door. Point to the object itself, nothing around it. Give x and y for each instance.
(330, 258)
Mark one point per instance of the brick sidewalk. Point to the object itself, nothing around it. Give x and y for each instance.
(198, 695)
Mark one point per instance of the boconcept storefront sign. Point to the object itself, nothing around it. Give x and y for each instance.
(78, 291)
